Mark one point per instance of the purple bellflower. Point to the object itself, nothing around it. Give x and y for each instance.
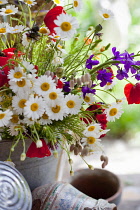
(90, 62)
(104, 76)
(86, 89)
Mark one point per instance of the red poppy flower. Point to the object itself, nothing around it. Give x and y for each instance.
(51, 16)
(8, 54)
(43, 151)
(132, 93)
(59, 84)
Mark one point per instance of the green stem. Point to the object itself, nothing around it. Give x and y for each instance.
(107, 63)
(107, 92)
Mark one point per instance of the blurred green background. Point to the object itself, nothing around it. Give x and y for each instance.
(127, 127)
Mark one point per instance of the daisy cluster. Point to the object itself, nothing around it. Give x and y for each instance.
(49, 90)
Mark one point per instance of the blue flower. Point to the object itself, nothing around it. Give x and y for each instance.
(90, 62)
(121, 74)
(86, 89)
(104, 76)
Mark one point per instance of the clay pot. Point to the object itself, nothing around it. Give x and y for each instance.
(97, 184)
(62, 195)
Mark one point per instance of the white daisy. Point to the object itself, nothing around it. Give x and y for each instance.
(103, 131)
(16, 74)
(28, 121)
(15, 129)
(44, 30)
(30, 2)
(56, 112)
(92, 129)
(44, 120)
(67, 25)
(55, 95)
(113, 111)
(29, 67)
(5, 117)
(77, 5)
(4, 28)
(59, 2)
(109, 85)
(43, 85)
(59, 47)
(14, 119)
(57, 61)
(106, 14)
(73, 104)
(21, 87)
(17, 29)
(89, 98)
(120, 101)
(34, 108)
(18, 102)
(91, 141)
(3, 2)
(8, 10)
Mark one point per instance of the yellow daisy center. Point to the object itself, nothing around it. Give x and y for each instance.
(57, 1)
(45, 116)
(91, 128)
(59, 46)
(2, 30)
(21, 103)
(45, 86)
(66, 26)
(29, 2)
(105, 15)
(113, 112)
(53, 95)
(76, 3)
(43, 30)
(8, 11)
(2, 116)
(56, 109)
(87, 99)
(14, 119)
(17, 127)
(71, 104)
(21, 83)
(34, 107)
(17, 74)
(91, 140)
(1, 2)
(15, 29)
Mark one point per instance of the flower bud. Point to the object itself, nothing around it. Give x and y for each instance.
(98, 28)
(70, 161)
(76, 151)
(71, 173)
(55, 154)
(23, 156)
(47, 73)
(91, 167)
(71, 84)
(12, 149)
(39, 144)
(79, 83)
(72, 147)
(102, 49)
(85, 151)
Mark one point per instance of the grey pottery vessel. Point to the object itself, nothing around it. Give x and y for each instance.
(36, 171)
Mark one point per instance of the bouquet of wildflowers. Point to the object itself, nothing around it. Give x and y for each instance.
(50, 77)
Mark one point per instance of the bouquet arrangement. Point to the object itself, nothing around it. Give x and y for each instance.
(50, 77)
